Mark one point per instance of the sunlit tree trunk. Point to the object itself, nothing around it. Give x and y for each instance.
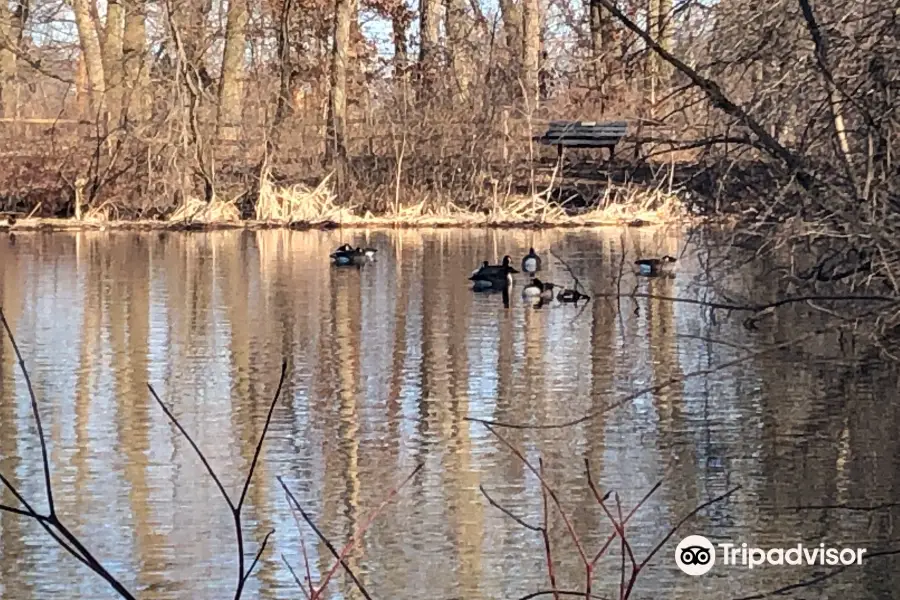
(460, 26)
(399, 25)
(93, 57)
(231, 88)
(531, 50)
(336, 147)
(284, 59)
(135, 66)
(429, 24)
(653, 10)
(665, 31)
(12, 24)
(598, 45)
(113, 41)
(511, 11)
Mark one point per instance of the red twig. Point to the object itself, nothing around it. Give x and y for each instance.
(549, 490)
(545, 533)
(357, 535)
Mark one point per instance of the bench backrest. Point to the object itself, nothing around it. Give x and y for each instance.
(584, 133)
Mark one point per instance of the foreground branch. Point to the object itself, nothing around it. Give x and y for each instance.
(341, 556)
(50, 522)
(235, 508)
(651, 389)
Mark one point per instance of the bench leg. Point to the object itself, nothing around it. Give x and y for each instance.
(612, 153)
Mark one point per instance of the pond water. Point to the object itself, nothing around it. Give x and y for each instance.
(385, 364)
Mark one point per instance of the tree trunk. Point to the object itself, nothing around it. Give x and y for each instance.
(531, 51)
(511, 10)
(113, 43)
(284, 62)
(665, 32)
(231, 88)
(335, 143)
(459, 27)
(135, 63)
(599, 45)
(399, 25)
(653, 60)
(93, 58)
(400, 18)
(429, 22)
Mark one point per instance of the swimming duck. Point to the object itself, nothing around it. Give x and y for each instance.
(484, 265)
(496, 277)
(652, 267)
(531, 263)
(538, 289)
(347, 255)
(569, 296)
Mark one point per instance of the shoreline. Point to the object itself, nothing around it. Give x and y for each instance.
(32, 225)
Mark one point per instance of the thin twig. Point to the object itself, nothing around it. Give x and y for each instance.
(684, 520)
(507, 512)
(235, 508)
(544, 485)
(652, 389)
(34, 411)
(50, 522)
(294, 575)
(360, 531)
(341, 556)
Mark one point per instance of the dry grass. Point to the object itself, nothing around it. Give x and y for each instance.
(198, 211)
(298, 206)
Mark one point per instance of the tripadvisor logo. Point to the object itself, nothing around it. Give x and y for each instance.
(696, 555)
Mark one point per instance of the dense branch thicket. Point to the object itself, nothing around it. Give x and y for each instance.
(776, 111)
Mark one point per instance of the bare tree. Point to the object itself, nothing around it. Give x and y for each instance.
(231, 86)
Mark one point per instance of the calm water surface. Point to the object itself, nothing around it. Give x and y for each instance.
(384, 365)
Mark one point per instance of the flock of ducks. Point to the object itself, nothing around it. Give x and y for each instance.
(488, 277)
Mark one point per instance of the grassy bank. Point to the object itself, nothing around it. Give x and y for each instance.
(301, 207)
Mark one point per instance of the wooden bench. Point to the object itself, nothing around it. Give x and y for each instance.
(583, 134)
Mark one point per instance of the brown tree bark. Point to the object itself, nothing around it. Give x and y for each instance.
(135, 66)
(335, 143)
(12, 26)
(531, 51)
(459, 27)
(429, 22)
(665, 33)
(93, 58)
(284, 62)
(511, 11)
(599, 44)
(113, 68)
(231, 86)
(400, 18)
(653, 60)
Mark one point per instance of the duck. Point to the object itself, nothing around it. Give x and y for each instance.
(493, 277)
(531, 263)
(484, 265)
(538, 289)
(653, 267)
(569, 296)
(347, 255)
